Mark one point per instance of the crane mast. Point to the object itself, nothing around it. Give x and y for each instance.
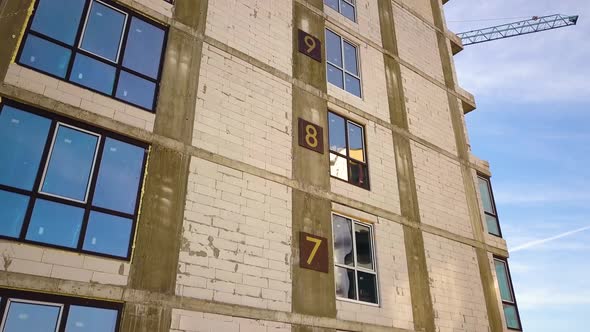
(533, 25)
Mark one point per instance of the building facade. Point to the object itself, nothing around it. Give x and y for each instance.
(241, 165)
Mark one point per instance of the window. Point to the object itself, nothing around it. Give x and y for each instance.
(344, 7)
(24, 311)
(507, 294)
(96, 45)
(342, 64)
(354, 260)
(489, 206)
(348, 157)
(67, 185)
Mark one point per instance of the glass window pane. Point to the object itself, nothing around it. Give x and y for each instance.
(336, 125)
(350, 61)
(108, 234)
(332, 4)
(342, 241)
(58, 19)
(511, 316)
(359, 174)
(136, 90)
(486, 198)
(23, 137)
(144, 48)
(356, 142)
(353, 85)
(503, 282)
(70, 164)
(45, 56)
(55, 223)
(367, 287)
(364, 250)
(493, 227)
(103, 31)
(338, 167)
(335, 76)
(345, 283)
(30, 317)
(333, 48)
(347, 10)
(87, 319)
(119, 176)
(93, 74)
(12, 213)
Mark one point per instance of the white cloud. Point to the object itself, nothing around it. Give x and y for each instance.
(546, 297)
(539, 242)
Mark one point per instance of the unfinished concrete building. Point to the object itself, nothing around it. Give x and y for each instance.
(241, 165)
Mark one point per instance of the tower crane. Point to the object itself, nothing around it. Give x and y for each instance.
(532, 25)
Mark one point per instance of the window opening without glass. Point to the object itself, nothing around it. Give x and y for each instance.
(489, 206)
(509, 305)
(67, 185)
(354, 260)
(342, 65)
(345, 7)
(24, 311)
(348, 156)
(96, 45)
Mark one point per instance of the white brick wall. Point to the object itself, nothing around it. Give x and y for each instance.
(79, 97)
(243, 113)
(455, 285)
(159, 6)
(382, 169)
(429, 116)
(395, 307)
(374, 89)
(441, 194)
(55, 263)
(193, 321)
(417, 43)
(236, 240)
(422, 7)
(259, 28)
(367, 19)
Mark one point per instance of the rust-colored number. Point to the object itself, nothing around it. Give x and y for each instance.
(311, 136)
(310, 46)
(313, 252)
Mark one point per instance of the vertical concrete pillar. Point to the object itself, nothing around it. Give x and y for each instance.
(422, 307)
(313, 291)
(487, 280)
(154, 267)
(14, 16)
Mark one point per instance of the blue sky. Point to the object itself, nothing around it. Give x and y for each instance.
(533, 125)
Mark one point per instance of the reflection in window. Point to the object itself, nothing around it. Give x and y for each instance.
(507, 294)
(342, 64)
(33, 312)
(114, 49)
(355, 271)
(348, 158)
(65, 186)
(344, 7)
(489, 206)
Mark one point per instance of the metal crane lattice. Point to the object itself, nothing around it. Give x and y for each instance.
(535, 24)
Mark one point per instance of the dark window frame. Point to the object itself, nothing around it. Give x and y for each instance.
(495, 215)
(355, 268)
(35, 193)
(350, 3)
(65, 301)
(118, 65)
(343, 68)
(347, 156)
(511, 284)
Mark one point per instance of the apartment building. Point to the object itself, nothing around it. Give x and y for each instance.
(241, 165)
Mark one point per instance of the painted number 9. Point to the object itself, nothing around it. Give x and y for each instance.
(310, 43)
(311, 136)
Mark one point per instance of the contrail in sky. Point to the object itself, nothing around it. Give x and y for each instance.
(549, 239)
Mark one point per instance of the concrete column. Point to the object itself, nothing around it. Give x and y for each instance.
(14, 16)
(487, 280)
(422, 307)
(313, 291)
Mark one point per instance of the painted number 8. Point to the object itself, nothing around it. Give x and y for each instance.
(311, 136)
(310, 43)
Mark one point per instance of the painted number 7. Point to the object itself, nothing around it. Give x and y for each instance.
(313, 252)
(317, 243)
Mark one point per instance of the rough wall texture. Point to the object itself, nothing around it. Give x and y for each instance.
(367, 20)
(243, 113)
(456, 287)
(420, 7)
(236, 242)
(193, 321)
